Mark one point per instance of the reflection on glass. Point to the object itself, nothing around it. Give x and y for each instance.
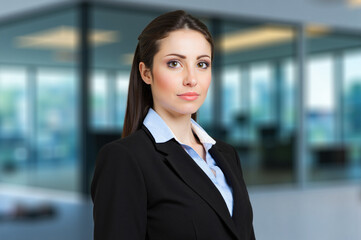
(352, 110)
(352, 96)
(122, 94)
(13, 101)
(288, 92)
(231, 102)
(57, 142)
(13, 123)
(262, 94)
(320, 100)
(99, 93)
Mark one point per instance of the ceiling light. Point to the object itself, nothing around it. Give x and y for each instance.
(257, 37)
(127, 58)
(65, 38)
(354, 3)
(314, 30)
(265, 36)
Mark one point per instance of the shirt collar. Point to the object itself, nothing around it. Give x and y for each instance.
(162, 133)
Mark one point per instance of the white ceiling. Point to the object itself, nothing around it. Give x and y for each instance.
(336, 13)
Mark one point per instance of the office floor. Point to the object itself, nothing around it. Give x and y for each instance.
(316, 213)
(72, 220)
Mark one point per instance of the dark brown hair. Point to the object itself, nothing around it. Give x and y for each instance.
(139, 93)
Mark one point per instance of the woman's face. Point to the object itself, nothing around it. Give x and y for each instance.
(181, 73)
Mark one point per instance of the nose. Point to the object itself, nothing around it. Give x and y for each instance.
(190, 77)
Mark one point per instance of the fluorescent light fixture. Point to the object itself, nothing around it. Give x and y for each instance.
(354, 3)
(64, 56)
(314, 30)
(257, 37)
(127, 58)
(64, 38)
(264, 36)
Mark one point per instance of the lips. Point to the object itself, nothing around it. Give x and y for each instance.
(189, 96)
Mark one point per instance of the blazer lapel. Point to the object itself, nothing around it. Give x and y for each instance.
(239, 199)
(195, 178)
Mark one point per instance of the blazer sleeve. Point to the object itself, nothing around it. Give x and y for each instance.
(119, 195)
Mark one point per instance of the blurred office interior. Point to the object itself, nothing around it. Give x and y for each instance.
(285, 92)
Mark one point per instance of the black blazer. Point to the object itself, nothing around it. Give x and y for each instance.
(146, 190)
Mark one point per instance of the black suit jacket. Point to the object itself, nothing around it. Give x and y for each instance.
(147, 190)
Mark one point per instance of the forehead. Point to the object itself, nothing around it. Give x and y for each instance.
(185, 41)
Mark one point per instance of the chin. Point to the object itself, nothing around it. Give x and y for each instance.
(190, 111)
(184, 109)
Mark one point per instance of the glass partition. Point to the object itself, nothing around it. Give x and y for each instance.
(39, 101)
(333, 77)
(112, 55)
(258, 97)
(252, 101)
(14, 128)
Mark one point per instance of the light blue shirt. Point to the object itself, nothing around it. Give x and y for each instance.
(162, 133)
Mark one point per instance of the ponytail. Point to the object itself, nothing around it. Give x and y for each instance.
(139, 99)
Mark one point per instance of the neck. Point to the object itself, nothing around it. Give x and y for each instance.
(180, 124)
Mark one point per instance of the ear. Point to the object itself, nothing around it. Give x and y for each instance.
(145, 73)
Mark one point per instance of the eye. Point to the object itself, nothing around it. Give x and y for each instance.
(173, 64)
(203, 65)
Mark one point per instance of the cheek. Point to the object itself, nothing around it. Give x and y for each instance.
(163, 81)
(207, 81)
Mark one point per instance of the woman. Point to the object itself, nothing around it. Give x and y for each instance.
(167, 179)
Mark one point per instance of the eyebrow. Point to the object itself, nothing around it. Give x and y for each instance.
(182, 56)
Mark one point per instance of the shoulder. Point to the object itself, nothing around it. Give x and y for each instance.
(124, 150)
(120, 157)
(134, 141)
(117, 167)
(228, 151)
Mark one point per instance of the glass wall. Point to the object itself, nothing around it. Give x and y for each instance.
(332, 110)
(351, 110)
(112, 48)
(252, 101)
(39, 127)
(112, 57)
(14, 128)
(257, 89)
